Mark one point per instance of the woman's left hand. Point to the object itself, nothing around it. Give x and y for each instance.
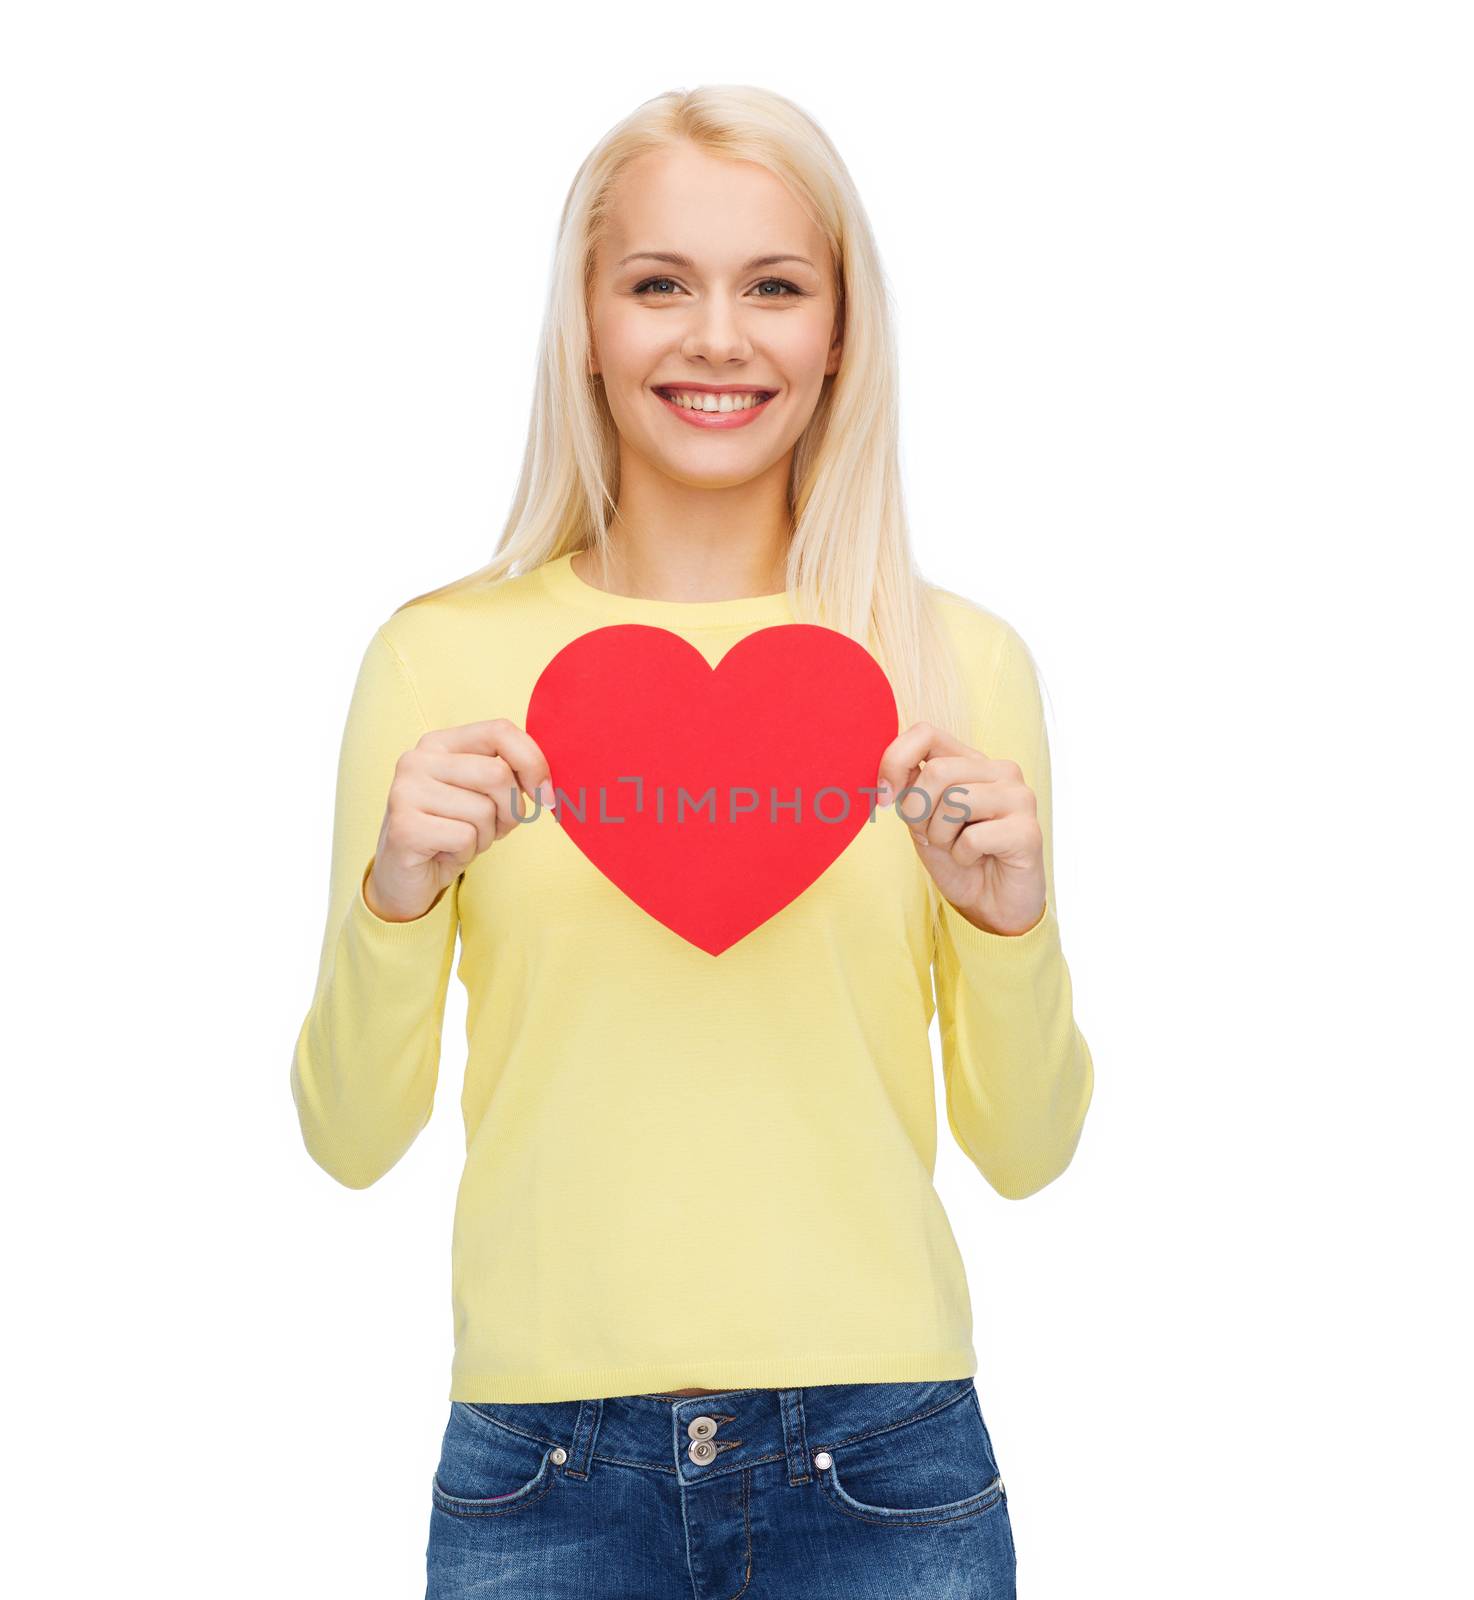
(978, 834)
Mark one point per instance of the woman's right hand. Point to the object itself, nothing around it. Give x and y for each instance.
(452, 796)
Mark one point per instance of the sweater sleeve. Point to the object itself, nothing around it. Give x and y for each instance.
(1017, 1071)
(368, 1054)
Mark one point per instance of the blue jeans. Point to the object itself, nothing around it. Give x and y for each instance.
(849, 1491)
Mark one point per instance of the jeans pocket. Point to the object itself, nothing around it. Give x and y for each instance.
(489, 1470)
(932, 1468)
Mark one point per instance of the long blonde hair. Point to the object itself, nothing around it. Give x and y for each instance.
(849, 561)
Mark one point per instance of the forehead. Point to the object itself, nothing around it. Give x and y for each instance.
(717, 211)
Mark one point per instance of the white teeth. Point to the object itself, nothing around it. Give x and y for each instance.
(691, 400)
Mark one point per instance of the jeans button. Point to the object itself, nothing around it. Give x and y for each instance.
(702, 1451)
(702, 1427)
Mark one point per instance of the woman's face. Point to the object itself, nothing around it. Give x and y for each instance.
(688, 291)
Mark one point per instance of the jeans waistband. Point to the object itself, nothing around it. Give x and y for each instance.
(734, 1428)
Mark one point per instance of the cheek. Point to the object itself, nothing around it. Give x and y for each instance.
(803, 349)
(628, 348)
(626, 363)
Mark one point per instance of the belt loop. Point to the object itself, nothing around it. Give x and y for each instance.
(795, 1440)
(585, 1430)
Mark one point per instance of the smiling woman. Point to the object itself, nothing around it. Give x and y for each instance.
(699, 1094)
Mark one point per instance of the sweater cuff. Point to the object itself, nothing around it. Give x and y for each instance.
(427, 929)
(969, 940)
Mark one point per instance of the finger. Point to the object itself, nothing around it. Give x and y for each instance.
(944, 772)
(451, 837)
(492, 815)
(901, 760)
(498, 737)
(941, 809)
(1014, 835)
(955, 807)
(488, 775)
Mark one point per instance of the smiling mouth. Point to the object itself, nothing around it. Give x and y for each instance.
(704, 409)
(716, 404)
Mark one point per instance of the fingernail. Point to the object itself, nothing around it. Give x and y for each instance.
(545, 794)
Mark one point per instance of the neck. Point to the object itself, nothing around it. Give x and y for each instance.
(689, 566)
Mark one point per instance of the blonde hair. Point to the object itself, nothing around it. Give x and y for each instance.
(849, 561)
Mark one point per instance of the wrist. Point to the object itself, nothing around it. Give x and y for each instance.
(978, 921)
(386, 912)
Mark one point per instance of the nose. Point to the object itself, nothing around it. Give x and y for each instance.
(716, 335)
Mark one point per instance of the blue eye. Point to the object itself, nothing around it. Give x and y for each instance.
(790, 290)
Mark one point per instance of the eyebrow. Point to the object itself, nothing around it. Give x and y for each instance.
(675, 260)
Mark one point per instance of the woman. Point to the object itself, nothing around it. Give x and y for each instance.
(712, 1328)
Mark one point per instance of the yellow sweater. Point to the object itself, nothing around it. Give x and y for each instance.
(683, 1169)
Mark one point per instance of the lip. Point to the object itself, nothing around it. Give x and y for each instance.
(716, 419)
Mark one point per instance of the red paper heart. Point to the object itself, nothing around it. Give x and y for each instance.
(798, 709)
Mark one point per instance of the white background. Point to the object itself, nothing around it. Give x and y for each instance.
(1184, 297)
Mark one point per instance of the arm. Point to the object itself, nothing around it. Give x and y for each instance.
(1018, 1073)
(368, 1054)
